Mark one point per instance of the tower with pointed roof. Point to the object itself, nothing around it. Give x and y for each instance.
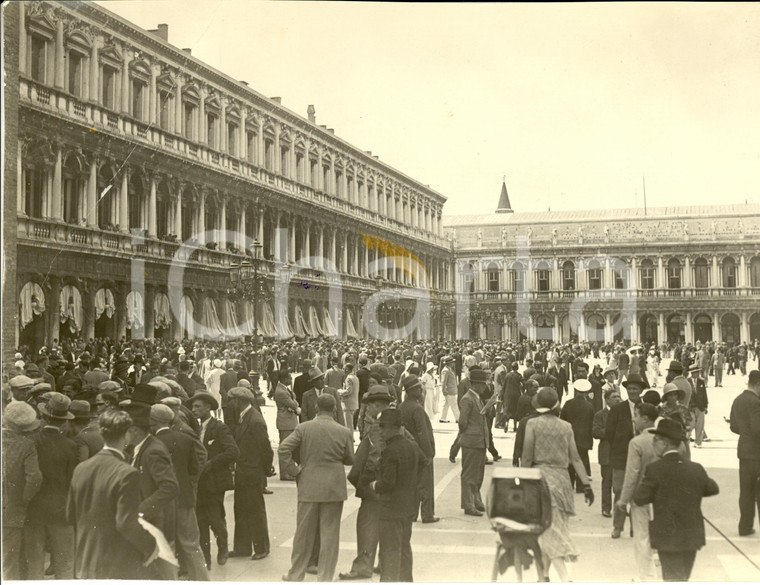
(504, 205)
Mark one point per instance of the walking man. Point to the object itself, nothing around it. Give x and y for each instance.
(324, 447)
(745, 422)
(474, 442)
(287, 415)
(675, 488)
(449, 389)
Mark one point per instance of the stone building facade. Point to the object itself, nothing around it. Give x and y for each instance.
(664, 274)
(134, 158)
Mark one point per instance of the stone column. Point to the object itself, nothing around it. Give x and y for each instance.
(223, 125)
(745, 326)
(242, 235)
(661, 281)
(261, 154)
(126, 49)
(53, 307)
(716, 327)
(92, 195)
(687, 273)
(276, 148)
(152, 114)
(21, 38)
(94, 70)
(321, 250)
(202, 219)
(333, 253)
(152, 231)
(344, 185)
(306, 178)
(260, 229)
(306, 253)
(715, 276)
(57, 214)
(150, 317)
(634, 328)
(200, 136)
(607, 328)
(662, 334)
(292, 171)
(742, 280)
(366, 259)
(689, 337)
(178, 114)
(222, 239)
(633, 278)
(331, 189)
(344, 255)
(178, 211)
(356, 269)
(124, 202)
(88, 312)
(60, 70)
(319, 185)
(292, 234)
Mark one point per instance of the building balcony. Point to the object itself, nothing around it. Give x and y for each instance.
(554, 295)
(94, 115)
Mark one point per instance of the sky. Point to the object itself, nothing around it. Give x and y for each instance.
(578, 105)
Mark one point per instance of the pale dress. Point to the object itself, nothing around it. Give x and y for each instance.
(548, 445)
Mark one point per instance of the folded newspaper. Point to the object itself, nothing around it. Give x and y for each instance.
(165, 551)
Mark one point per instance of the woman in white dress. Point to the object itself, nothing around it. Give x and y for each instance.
(653, 367)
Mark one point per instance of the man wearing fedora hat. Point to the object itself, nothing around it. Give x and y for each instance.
(745, 422)
(416, 421)
(675, 375)
(675, 489)
(449, 388)
(22, 479)
(473, 438)
(216, 476)
(619, 432)
(698, 404)
(365, 470)
(400, 464)
(85, 430)
(46, 517)
(309, 408)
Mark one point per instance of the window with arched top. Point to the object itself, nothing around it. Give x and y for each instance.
(542, 272)
(494, 277)
(674, 273)
(646, 275)
(701, 273)
(754, 272)
(594, 271)
(620, 273)
(729, 272)
(568, 275)
(517, 277)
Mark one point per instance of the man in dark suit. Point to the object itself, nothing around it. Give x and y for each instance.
(159, 489)
(251, 470)
(216, 476)
(301, 382)
(675, 488)
(579, 412)
(120, 548)
(287, 414)
(324, 447)
(416, 421)
(309, 407)
(46, 514)
(513, 389)
(473, 438)
(227, 382)
(745, 422)
(619, 431)
(187, 462)
(400, 463)
(273, 370)
(611, 398)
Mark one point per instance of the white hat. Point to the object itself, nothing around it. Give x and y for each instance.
(217, 363)
(181, 351)
(582, 385)
(18, 356)
(429, 366)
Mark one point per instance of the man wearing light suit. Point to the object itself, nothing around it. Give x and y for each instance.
(324, 447)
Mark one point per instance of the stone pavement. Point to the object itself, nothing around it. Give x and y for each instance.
(461, 548)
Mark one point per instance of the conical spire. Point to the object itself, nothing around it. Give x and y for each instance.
(504, 205)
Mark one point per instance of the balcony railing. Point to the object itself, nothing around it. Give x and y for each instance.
(607, 294)
(64, 104)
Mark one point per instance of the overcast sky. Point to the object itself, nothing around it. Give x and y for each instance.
(574, 103)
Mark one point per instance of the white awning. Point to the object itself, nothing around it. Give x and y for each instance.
(162, 313)
(315, 325)
(329, 326)
(350, 329)
(298, 322)
(267, 323)
(70, 301)
(31, 302)
(135, 310)
(186, 316)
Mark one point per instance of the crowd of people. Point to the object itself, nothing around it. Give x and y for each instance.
(116, 451)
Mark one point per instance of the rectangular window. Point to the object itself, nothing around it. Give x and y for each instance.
(568, 280)
(729, 276)
(34, 186)
(647, 278)
(164, 114)
(138, 95)
(701, 277)
(135, 211)
(109, 87)
(469, 283)
(232, 139)
(76, 62)
(251, 147)
(543, 280)
(38, 69)
(188, 121)
(674, 278)
(595, 279)
(187, 223)
(211, 130)
(493, 281)
(518, 282)
(619, 280)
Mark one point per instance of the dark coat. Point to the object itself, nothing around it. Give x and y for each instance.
(416, 421)
(103, 505)
(57, 456)
(227, 382)
(473, 432)
(21, 477)
(159, 489)
(598, 432)
(187, 462)
(217, 473)
(699, 395)
(309, 405)
(256, 455)
(300, 385)
(675, 488)
(89, 438)
(579, 412)
(619, 432)
(745, 422)
(400, 463)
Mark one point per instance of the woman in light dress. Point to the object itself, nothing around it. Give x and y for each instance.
(653, 368)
